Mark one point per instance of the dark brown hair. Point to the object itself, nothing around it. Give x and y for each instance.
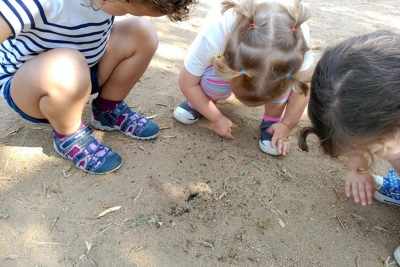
(267, 43)
(355, 95)
(176, 10)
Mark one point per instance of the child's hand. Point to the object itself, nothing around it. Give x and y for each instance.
(280, 137)
(362, 185)
(223, 127)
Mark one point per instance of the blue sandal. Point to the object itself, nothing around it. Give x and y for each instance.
(87, 152)
(132, 124)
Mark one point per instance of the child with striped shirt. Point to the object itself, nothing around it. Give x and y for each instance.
(55, 53)
(257, 50)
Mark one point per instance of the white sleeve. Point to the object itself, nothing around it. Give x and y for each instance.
(209, 41)
(308, 58)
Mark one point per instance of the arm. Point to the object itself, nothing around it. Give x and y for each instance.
(5, 30)
(190, 87)
(294, 110)
(360, 183)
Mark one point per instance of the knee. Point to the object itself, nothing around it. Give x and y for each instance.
(142, 34)
(68, 71)
(149, 33)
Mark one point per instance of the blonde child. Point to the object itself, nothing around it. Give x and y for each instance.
(257, 51)
(55, 53)
(354, 109)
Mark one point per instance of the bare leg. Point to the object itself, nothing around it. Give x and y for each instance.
(131, 47)
(274, 110)
(396, 165)
(54, 85)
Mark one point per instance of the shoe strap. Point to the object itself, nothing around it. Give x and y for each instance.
(265, 135)
(67, 143)
(110, 117)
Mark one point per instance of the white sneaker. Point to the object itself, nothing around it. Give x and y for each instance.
(397, 255)
(186, 114)
(388, 189)
(265, 140)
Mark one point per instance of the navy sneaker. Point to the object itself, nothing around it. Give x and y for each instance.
(87, 153)
(265, 140)
(122, 118)
(185, 114)
(388, 188)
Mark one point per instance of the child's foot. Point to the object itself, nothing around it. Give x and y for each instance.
(397, 255)
(266, 137)
(122, 118)
(87, 153)
(388, 189)
(186, 114)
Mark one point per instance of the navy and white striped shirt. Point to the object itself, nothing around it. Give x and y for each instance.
(41, 25)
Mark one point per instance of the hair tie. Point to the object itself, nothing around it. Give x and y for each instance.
(242, 72)
(288, 76)
(252, 26)
(220, 55)
(294, 29)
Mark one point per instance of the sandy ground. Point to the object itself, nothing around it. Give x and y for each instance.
(190, 198)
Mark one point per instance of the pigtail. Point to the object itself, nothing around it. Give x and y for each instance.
(301, 16)
(226, 5)
(304, 133)
(222, 70)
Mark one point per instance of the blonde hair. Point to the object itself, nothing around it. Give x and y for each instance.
(264, 51)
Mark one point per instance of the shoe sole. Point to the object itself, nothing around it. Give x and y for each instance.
(113, 170)
(182, 119)
(268, 150)
(384, 199)
(98, 126)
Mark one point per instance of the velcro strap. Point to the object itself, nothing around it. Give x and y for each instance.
(76, 137)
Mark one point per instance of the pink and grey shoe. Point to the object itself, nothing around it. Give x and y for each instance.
(122, 118)
(87, 152)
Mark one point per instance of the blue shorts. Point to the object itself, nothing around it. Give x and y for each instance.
(96, 88)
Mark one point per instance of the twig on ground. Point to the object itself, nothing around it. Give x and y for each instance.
(340, 222)
(103, 230)
(169, 136)
(383, 229)
(165, 127)
(135, 249)
(243, 162)
(54, 223)
(355, 215)
(138, 196)
(337, 194)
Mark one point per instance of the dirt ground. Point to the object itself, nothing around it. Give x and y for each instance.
(189, 197)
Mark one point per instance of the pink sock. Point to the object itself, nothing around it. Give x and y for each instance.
(276, 119)
(58, 135)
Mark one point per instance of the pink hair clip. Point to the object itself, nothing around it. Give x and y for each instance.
(294, 29)
(252, 26)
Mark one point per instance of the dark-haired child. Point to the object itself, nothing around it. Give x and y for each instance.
(354, 109)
